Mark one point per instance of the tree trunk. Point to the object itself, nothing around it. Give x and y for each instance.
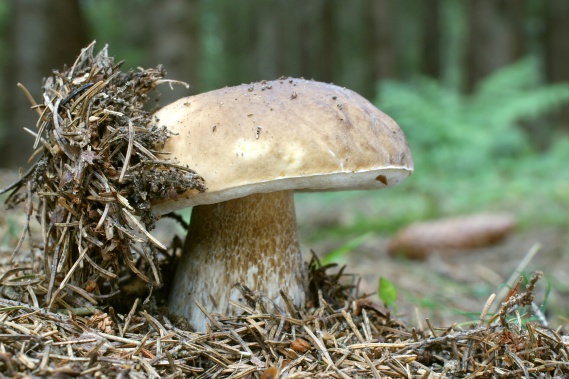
(45, 35)
(317, 34)
(495, 36)
(382, 40)
(431, 49)
(238, 37)
(555, 39)
(353, 58)
(174, 43)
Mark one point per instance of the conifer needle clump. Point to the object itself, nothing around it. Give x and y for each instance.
(95, 176)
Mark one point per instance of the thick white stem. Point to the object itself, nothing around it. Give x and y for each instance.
(252, 241)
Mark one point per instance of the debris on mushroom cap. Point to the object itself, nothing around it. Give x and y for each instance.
(258, 138)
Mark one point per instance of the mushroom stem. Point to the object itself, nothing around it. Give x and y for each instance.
(252, 241)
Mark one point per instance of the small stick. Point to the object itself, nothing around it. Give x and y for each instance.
(81, 292)
(518, 362)
(131, 217)
(39, 139)
(129, 316)
(58, 132)
(155, 324)
(92, 89)
(45, 357)
(70, 272)
(128, 151)
(139, 347)
(352, 325)
(371, 366)
(99, 268)
(151, 258)
(485, 309)
(33, 296)
(175, 371)
(87, 49)
(18, 183)
(241, 342)
(430, 327)
(211, 319)
(48, 297)
(26, 230)
(321, 347)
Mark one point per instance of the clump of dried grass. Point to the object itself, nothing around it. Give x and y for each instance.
(96, 170)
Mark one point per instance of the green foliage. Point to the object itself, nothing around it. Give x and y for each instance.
(470, 152)
(119, 24)
(453, 133)
(386, 292)
(337, 254)
(10, 231)
(543, 306)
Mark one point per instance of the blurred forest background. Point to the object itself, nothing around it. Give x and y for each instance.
(480, 87)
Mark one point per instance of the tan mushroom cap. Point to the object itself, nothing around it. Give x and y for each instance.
(286, 134)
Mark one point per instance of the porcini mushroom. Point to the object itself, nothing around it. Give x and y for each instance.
(255, 145)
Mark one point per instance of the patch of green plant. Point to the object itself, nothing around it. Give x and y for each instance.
(337, 255)
(469, 150)
(10, 231)
(451, 132)
(386, 292)
(106, 20)
(424, 302)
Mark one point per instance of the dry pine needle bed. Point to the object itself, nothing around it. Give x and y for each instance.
(358, 340)
(62, 294)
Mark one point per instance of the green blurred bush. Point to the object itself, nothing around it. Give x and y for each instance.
(463, 134)
(470, 152)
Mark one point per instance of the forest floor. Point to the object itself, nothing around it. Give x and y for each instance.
(453, 286)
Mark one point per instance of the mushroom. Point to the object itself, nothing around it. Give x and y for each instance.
(254, 145)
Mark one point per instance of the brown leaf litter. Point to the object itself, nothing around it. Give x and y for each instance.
(90, 188)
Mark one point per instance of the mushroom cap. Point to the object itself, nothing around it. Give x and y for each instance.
(286, 134)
